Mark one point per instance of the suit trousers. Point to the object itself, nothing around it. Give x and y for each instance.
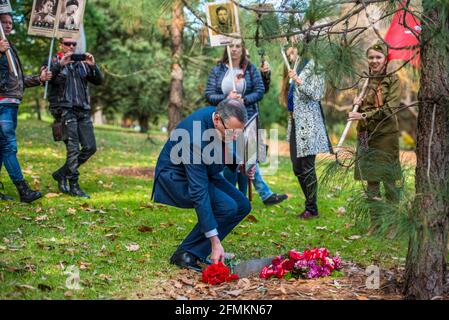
(229, 206)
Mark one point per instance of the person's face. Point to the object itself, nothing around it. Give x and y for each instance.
(71, 9)
(7, 24)
(68, 45)
(223, 16)
(48, 7)
(230, 129)
(236, 50)
(376, 60)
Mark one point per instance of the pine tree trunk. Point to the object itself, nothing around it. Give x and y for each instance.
(426, 259)
(38, 109)
(176, 87)
(143, 123)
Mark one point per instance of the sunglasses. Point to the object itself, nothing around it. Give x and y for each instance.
(69, 44)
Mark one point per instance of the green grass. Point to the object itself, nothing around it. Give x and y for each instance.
(37, 241)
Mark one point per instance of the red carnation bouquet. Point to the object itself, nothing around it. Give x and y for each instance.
(218, 273)
(309, 264)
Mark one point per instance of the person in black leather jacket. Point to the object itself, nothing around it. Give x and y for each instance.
(11, 93)
(70, 103)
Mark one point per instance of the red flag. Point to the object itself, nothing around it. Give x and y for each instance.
(404, 35)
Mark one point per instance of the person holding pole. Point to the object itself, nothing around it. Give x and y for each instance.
(306, 131)
(11, 93)
(242, 82)
(70, 104)
(377, 130)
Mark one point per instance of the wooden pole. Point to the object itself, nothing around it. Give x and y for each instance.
(356, 108)
(49, 64)
(231, 66)
(9, 55)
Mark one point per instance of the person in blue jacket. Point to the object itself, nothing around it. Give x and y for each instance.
(189, 175)
(249, 89)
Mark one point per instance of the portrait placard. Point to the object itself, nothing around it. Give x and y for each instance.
(70, 18)
(5, 6)
(223, 21)
(251, 142)
(44, 18)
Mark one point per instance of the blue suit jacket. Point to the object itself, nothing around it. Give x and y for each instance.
(186, 185)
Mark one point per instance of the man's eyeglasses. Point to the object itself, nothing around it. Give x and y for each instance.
(69, 44)
(230, 132)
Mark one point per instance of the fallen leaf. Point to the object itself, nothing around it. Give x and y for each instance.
(68, 294)
(44, 287)
(51, 195)
(321, 228)
(244, 283)
(132, 247)
(105, 277)
(354, 237)
(145, 229)
(26, 286)
(84, 265)
(42, 218)
(187, 281)
(71, 210)
(234, 293)
(252, 218)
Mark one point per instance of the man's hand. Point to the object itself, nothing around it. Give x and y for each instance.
(45, 74)
(234, 95)
(292, 74)
(251, 173)
(90, 60)
(66, 59)
(4, 45)
(218, 253)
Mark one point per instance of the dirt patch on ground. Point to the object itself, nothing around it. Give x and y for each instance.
(187, 285)
(129, 171)
(407, 157)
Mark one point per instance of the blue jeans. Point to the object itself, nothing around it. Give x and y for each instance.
(239, 178)
(8, 141)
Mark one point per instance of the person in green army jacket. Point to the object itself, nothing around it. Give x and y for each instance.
(378, 132)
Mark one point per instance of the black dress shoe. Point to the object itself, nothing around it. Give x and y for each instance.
(62, 182)
(183, 259)
(275, 199)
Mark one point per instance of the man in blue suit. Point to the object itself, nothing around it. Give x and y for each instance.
(189, 175)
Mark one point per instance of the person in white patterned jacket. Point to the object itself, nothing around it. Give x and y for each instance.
(307, 132)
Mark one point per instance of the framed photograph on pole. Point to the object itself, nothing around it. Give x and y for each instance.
(223, 21)
(5, 6)
(251, 136)
(70, 18)
(44, 18)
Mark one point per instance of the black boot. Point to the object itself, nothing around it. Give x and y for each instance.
(75, 190)
(26, 193)
(4, 196)
(62, 182)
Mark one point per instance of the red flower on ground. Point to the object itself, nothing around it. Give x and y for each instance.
(218, 273)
